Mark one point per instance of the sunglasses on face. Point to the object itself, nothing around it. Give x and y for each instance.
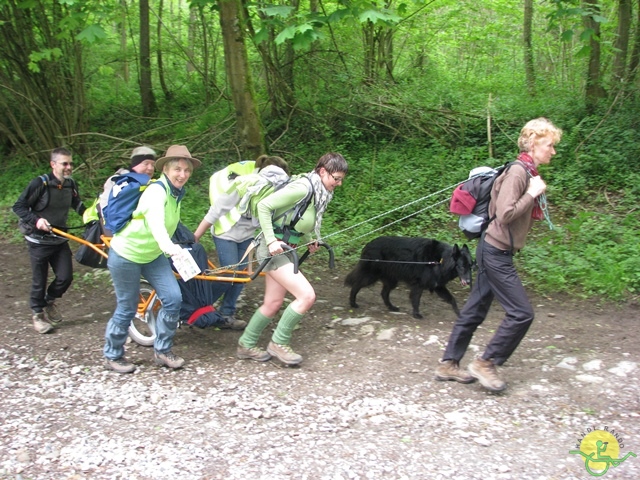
(66, 164)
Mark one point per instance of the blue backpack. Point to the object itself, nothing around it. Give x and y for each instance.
(123, 200)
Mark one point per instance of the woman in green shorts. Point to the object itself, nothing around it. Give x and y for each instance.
(280, 277)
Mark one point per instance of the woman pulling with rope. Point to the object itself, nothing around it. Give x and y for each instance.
(280, 277)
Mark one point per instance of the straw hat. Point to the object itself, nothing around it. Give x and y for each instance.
(177, 151)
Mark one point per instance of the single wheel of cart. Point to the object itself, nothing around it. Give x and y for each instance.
(143, 326)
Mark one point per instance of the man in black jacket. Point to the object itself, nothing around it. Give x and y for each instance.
(45, 204)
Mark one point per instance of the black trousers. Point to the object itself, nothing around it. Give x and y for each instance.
(497, 278)
(59, 257)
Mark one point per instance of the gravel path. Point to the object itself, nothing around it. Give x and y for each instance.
(363, 405)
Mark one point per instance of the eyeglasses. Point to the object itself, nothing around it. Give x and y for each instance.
(336, 179)
(66, 164)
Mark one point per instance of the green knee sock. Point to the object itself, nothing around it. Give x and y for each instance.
(253, 330)
(290, 318)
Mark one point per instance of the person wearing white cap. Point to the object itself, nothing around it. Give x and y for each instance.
(143, 160)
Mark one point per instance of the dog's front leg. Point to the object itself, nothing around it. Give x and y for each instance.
(415, 295)
(387, 286)
(445, 295)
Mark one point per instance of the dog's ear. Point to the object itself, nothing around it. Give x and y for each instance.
(456, 250)
(465, 248)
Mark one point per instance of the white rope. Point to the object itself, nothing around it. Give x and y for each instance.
(428, 207)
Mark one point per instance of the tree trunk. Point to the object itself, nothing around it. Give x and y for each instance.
(385, 51)
(191, 40)
(248, 123)
(378, 52)
(167, 93)
(369, 60)
(123, 42)
(146, 89)
(594, 90)
(205, 57)
(278, 74)
(289, 56)
(529, 68)
(621, 44)
(635, 54)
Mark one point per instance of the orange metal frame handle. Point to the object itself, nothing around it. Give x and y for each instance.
(99, 249)
(93, 246)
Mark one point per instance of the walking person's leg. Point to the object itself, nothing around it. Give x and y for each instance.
(126, 283)
(229, 254)
(274, 294)
(519, 314)
(473, 313)
(39, 258)
(305, 297)
(62, 265)
(161, 277)
(509, 291)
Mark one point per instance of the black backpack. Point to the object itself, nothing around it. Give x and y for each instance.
(39, 200)
(471, 199)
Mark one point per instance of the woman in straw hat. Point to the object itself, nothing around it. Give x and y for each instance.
(142, 248)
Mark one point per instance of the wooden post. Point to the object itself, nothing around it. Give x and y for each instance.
(489, 128)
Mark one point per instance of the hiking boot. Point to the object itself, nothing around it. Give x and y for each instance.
(486, 373)
(119, 365)
(168, 359)
(53, 313)
(253, 353)
(450, 370)
(284, 353)
(40, 323)
(230, 323)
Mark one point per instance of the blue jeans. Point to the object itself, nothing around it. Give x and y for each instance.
(126, 281)
(229, 253)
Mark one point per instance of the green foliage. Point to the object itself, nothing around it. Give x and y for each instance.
(592, 254)
(410, 135)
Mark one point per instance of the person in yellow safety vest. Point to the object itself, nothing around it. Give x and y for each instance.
(232, 230)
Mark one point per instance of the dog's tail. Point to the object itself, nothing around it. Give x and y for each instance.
(353, 276)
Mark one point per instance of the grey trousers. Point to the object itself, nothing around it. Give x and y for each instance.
(497, 278)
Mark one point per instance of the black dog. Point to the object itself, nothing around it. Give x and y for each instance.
(422, 263)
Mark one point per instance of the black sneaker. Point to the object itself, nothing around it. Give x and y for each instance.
(119, 365)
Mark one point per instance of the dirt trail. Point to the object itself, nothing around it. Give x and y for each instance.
(363, 404)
